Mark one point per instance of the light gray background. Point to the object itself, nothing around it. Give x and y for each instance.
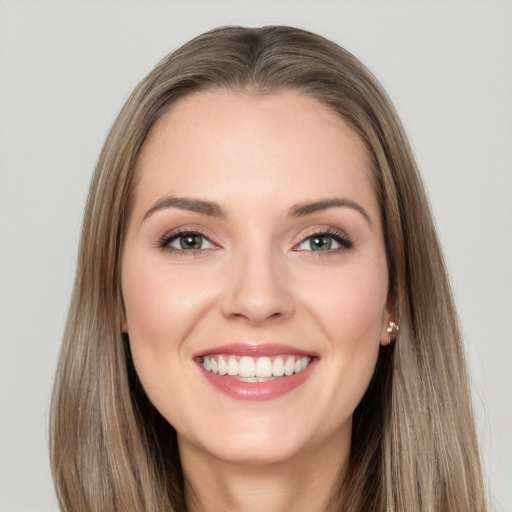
(67, 67)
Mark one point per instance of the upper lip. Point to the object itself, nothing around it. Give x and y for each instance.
(253, 350)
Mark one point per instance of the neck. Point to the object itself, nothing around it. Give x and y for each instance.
(303, 483)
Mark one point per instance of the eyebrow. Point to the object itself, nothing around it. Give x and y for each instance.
(213, 209)
(303, 209)
(186, 203)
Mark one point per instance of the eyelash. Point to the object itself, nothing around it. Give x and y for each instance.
(338, 236)
(165, 242)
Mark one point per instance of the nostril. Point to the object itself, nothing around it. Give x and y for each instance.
(256, 317)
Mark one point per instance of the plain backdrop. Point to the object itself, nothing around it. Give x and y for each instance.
(67, 67)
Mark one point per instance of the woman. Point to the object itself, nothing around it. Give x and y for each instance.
(261, 316)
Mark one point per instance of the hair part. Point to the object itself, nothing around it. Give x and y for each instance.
(413, 443)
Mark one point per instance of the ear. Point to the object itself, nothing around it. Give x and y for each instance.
(389, 324)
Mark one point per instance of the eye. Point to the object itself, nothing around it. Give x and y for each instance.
(186, 241)
(325, 241)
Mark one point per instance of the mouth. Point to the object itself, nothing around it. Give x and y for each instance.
(255, 372)
(255, 369)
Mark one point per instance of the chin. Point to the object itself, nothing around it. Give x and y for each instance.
(254, 453)
(265, 441)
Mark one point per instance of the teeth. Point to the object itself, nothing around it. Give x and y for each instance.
(223, 366)
(232, 366)
(278, 367)
(247, 379)
(264, 367)
(288, 367)
(255, 369)
(246, 367)
(254, 379)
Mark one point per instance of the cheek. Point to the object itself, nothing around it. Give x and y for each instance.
(350, 305)
(148, 301)
(354, 328)
(350, 310)
(159, 304)
(160, 312)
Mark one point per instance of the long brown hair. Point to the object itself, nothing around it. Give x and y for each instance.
(413, 444)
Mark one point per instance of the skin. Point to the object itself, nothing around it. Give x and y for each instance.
(256, 279)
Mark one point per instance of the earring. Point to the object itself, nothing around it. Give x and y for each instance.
(392, 330)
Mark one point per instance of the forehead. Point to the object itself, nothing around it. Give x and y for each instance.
(224, 144)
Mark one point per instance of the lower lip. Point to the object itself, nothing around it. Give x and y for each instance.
(257, 391)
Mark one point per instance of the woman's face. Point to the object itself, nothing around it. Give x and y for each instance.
(254, 275)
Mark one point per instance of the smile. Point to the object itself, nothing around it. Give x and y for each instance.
(255, 369)
(256, 372)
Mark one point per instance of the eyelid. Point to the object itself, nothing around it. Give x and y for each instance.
(337, 234)
(162, 242)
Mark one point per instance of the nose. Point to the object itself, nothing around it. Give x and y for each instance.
(257, 290)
